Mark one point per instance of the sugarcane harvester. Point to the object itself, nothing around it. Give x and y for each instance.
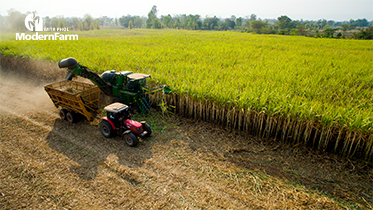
(123, 86)
(81, 99)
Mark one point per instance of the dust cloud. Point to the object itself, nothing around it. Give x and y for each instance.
(20, 93)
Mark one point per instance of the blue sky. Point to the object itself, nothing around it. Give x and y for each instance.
(295, 9)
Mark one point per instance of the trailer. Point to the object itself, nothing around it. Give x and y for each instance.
(75, 99)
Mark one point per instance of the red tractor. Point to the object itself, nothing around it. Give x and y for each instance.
(118, 122)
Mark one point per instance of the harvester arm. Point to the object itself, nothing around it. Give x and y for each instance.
(74, 68)
(164, 88)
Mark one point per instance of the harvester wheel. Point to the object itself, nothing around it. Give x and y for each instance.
(130, 139)
(106, 129)
(71, 117)
(147, 128)
(63, 113)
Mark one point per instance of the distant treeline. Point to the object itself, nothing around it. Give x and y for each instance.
(283, 25)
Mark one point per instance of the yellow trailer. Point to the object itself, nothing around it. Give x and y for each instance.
(74, 99)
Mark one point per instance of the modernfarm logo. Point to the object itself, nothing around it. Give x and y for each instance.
(34, 23)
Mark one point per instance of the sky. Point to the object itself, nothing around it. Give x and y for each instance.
(338, 10)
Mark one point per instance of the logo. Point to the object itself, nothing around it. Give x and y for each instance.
(34, 22)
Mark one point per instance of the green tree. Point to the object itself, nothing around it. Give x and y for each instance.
(130, 25)
(352, 26)
(149, 23)
(177, 23)
(327, 26)
(362, 22)
(223, 26)
(344, 28)
(138, 22)
(293, 31)
(193, 22)
(96, 24)
(154, 11)
(323, 23)
(60, 22)
(124, 20)
(47, 22)
(301, 29)
(239, 22)
(85, 26)
(167, 21)
(152, 15)
(183, 19)
(210, 23)
(252, 17)
(257, 25)
(364, 33)
(285, 24)
(80, 25)
(157, 23)
(230, 23)
(329, 32)
(88, 19)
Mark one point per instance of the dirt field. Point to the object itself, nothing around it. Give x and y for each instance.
(48, 163)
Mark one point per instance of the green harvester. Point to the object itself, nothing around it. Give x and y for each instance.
(123, 86)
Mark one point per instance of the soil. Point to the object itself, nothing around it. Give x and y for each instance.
(186, 164)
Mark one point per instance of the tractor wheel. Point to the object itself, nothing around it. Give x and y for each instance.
(71, 117)
(147, 128)
(63, 113)
(130, 139)
(106, 129)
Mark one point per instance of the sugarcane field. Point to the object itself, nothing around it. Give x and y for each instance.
(185, 118)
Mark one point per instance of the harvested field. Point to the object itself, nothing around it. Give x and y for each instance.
(48, 163)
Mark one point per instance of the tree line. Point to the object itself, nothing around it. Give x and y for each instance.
(283, 25)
